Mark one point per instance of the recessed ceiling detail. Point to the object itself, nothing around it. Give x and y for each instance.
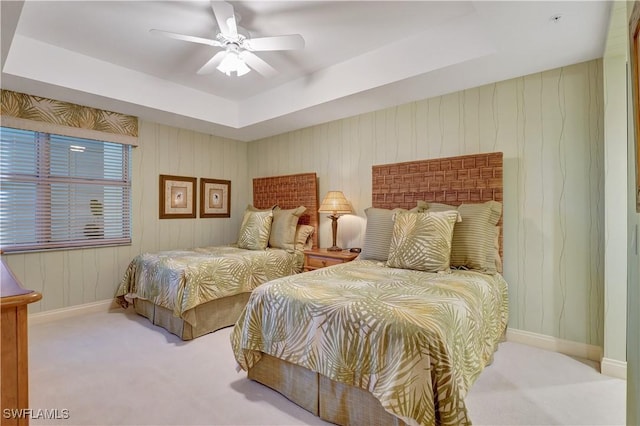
(358, 56)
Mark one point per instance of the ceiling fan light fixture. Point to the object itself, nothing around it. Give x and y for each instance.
(233, 63)
(238, 55)
(242, 68)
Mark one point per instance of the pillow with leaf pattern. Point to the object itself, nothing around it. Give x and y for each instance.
(422, 241)
(255, 229)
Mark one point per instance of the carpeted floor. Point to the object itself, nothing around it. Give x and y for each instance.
(118, 369)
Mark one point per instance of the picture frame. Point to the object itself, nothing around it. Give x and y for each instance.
(634, 62)
(215, 198)
(177, 197)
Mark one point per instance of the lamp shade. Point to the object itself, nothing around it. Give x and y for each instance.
(336, 203)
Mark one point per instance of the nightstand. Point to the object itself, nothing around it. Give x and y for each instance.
(321, 258)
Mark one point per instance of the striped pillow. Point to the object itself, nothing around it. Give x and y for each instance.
(377, 237)
(422, 241)
(255, 229)
(474, 237)
(283, 227)
(494, 254)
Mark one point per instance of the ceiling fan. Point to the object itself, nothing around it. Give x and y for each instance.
(238, 46)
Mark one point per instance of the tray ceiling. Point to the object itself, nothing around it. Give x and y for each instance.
(359, 56)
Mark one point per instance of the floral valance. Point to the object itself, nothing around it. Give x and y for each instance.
(19, 110)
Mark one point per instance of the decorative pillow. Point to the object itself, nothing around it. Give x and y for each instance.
(421, 206)
(422, 241)
(304, 234)
(379, 230)
(283, 228)
(255, 229)
(474, 237)
(252, 208)
(495, 253)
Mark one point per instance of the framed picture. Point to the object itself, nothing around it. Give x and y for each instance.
(215, 198)
(634, 45)
(177, 197)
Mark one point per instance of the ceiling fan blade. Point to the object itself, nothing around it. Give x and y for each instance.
(283, 42)
(184, 37)
(211, 65)
(225, 17)
(258, 64)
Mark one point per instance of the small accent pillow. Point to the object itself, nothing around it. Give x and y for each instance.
(422, 241)
(474, 238)
(304, 234)
(421, 206)
(283, 228)
(255, 229)
(378, 233)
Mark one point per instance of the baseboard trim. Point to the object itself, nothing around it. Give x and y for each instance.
(567, 347)
(613, 368)
(72, 311)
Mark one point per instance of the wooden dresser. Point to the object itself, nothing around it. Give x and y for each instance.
(14, 378)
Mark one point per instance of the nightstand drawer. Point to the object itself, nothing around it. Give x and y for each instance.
(321, 258)
(321, 262)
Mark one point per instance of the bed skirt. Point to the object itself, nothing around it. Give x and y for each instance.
(210, 316)
(332, 401)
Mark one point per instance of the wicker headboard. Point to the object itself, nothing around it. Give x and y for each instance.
(453, 180)
(289, 192)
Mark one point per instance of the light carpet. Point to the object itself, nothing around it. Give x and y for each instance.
(118, 369)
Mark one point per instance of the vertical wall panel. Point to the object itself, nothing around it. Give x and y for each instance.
(549, 127)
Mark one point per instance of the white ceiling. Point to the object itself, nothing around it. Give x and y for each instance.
(359, 56)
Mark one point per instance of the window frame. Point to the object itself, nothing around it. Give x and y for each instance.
(44, 179)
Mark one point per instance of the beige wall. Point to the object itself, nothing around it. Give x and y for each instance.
(615, 187)
(633, 271)
(73, 277)
(633, 290)
(549, 126)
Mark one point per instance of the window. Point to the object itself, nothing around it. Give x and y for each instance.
(62, 192)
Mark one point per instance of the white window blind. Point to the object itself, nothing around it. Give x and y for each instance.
(62, 192)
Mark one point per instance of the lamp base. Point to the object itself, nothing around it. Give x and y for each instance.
(334, 248)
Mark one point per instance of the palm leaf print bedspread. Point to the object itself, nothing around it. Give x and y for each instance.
(180, 280)
(416, 340)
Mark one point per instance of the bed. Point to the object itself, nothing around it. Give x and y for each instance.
(197, 291)
(378, 341)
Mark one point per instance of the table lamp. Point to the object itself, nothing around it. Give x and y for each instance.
(336, 204)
